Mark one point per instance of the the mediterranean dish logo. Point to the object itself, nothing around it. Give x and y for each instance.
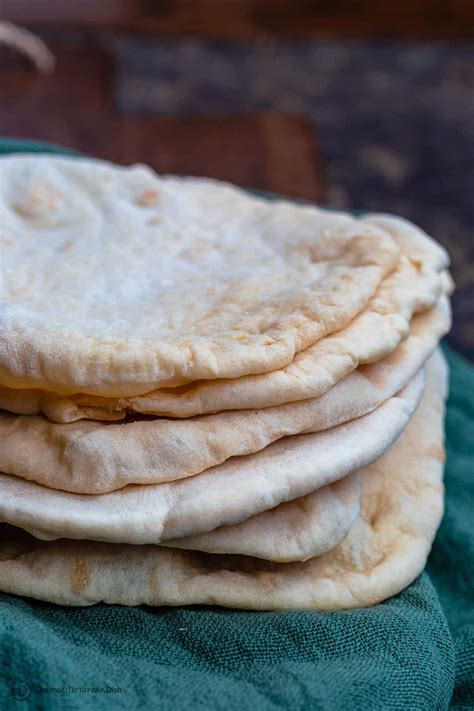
(23, 690)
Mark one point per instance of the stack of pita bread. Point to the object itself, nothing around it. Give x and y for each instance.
(208, 397)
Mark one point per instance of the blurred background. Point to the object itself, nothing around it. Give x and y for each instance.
(358, 104)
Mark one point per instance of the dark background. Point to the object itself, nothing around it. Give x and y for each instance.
(358, 104)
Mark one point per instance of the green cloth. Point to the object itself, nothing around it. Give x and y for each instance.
(415, 651)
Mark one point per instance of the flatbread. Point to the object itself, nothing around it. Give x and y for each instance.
(115, 281)
(224, 495)
(402, 505)
(296, 530)
(96, 457)
(375, 333)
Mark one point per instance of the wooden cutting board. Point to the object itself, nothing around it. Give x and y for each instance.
(74, 107)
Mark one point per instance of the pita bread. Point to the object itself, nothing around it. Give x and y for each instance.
(224, 495)
(375, 333)
(297, 530)
(96, 457)
(402, 505)
(115, 281)
(412, 240)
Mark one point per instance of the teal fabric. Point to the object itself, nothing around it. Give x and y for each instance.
(19, 145)
(415, 651)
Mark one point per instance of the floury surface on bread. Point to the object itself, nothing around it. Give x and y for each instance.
(154, 282)
(386, 548)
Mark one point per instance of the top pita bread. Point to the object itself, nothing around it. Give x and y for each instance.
(402, 505)
(115, 281)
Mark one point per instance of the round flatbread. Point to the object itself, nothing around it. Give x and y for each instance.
(115, 281)
(297, 530)
(413, 287)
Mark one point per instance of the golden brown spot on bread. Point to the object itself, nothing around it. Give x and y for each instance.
(6, 242)
(373, 378)
(437, 452)
(149, 197)
(269, 581)
(40, 198)
(80, 577)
